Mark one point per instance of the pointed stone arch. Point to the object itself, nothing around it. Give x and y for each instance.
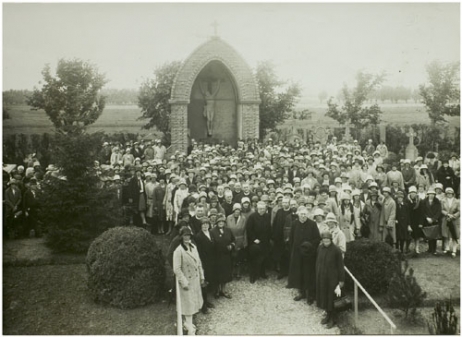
(246, 87)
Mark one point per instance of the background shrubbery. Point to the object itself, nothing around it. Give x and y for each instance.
(126, 268)
(372, 263)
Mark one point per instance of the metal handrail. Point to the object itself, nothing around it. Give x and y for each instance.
(356, 285)
(179, 321)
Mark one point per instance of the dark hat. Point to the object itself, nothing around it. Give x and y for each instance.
(326, 235)
(185, 231)
(307, 249)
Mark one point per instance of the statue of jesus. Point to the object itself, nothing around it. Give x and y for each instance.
(210, 103)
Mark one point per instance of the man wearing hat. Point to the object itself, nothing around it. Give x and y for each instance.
(303, 242)
(450, 209)
(258, 230)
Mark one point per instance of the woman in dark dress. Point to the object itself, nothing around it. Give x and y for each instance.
(206, 249)
(224, 243)
(431, 212)
(403, 223)
(414, 203)
(330, 276)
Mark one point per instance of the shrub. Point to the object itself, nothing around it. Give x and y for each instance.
(404, 292)
(372, 263)
(443, 320)
(126, 268)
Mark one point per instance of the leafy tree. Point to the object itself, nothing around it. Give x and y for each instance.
(71, 98)
(353, 108)
(276, 103)
(154, 96)
(441, 95)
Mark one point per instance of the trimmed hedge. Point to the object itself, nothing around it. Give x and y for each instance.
(372, 263)
(125, 268)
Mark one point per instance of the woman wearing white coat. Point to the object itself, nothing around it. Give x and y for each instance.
(188, 270)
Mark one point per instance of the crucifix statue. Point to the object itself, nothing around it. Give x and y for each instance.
(210, 102)
(411, 134)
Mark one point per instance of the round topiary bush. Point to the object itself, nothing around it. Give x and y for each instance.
(372, 263)
(125, 268)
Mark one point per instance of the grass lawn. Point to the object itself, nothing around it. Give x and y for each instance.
(52, 300)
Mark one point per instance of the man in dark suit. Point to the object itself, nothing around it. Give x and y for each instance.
(258, 228)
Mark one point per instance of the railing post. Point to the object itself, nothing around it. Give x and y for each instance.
(356, 304)
(179, 321)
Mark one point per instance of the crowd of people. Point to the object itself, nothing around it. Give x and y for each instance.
(273, 205)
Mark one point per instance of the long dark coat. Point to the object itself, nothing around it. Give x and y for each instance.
(139, 199)
(302, 267)
(403, 216)
(431, 211)
(206, 249)
(416, 216)
(223, 259)
(329, 272)
(259, 227)
(278, 233)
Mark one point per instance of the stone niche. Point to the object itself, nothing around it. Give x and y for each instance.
(236, 103)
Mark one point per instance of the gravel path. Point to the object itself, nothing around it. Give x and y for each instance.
(265, 307)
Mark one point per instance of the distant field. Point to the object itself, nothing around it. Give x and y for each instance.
(114, 119)
(124, 118)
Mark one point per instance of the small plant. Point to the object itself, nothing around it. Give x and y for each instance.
(443, 320)
(404, 292)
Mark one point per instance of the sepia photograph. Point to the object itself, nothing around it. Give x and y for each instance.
(212, 168)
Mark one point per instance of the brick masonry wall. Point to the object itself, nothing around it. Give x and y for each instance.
(215, 49)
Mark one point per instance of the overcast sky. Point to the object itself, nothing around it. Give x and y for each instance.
(321, 46)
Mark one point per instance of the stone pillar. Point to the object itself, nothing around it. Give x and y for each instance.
(250, 120)
(179, 126)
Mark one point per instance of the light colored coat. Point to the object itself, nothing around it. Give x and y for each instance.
(388, 218)
(455, 211)
(187, 267)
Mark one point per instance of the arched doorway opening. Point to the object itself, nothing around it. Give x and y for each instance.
(216, 79)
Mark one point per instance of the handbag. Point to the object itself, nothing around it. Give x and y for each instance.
(432, 232)
(342, 303)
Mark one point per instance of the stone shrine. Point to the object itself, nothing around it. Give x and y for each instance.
(411, 149)
(214, 96)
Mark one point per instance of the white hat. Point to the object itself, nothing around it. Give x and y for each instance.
(237, 206)
(412, 189)
(449, 190)
(439, 185)
(245, 199)
(330, 217)
(318, 211)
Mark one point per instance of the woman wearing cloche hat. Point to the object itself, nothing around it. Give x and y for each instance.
(224, 242)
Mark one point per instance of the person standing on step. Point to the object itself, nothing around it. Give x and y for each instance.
(330, 277)
(303, 242)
